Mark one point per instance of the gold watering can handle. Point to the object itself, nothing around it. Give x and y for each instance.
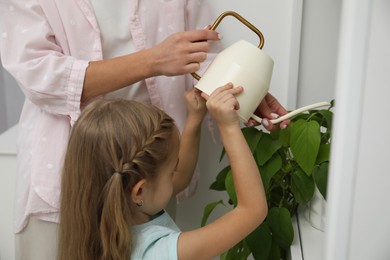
(241, 19)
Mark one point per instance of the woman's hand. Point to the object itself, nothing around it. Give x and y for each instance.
(269, 108)
(182, 52)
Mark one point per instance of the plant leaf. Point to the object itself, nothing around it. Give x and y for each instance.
(230, 188)
(223, 256)
(284, 136)
(275, 253)
(279, 221)
(245, 251)
(268, 170)
(320, 174)
(232, 253)
(266, 147)
(208, 209)
(252, 136)
(259, 242)
(323, 153)
(219, 183)
(302, 186)
(305, 141)
(327, 115)
(238, 252)
(300, 116)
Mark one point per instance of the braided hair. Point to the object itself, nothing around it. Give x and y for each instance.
(113, 145)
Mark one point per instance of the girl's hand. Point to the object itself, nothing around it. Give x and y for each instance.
(196, 105)
(182, 52)
(222, 105)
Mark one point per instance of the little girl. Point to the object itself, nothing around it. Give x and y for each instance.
(125, 160)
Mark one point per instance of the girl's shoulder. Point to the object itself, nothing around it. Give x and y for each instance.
(156, 239)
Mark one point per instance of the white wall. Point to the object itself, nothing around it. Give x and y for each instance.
(11, 100)
(3, 111)
(7, 186)
(358, 208)
(319, 44)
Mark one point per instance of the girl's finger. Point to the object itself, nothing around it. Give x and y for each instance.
(221, 89)
(232, 104)
(226, 98)
(228, 88)
(220, 92)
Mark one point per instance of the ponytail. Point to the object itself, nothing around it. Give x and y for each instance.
(115, 221)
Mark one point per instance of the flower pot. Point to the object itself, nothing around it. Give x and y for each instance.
(315, 213)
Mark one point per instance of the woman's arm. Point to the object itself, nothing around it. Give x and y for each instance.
(251, 210)
(179, 54)
(190, 141)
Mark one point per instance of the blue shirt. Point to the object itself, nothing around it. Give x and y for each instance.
(156, 239)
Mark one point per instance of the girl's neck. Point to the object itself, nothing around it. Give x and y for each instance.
(142, 217)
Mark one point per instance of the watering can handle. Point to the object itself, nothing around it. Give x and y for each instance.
(241, 19)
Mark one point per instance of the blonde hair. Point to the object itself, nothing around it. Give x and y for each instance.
(113, 145)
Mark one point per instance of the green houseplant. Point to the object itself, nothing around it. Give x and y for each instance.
(293, 162)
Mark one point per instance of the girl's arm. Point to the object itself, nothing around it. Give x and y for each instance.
(190, 141)
(219, 236)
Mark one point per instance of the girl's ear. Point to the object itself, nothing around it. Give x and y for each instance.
(137, 192)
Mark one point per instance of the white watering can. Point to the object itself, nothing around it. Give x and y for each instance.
(244, 64)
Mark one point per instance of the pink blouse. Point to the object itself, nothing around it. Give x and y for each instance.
(46, 45)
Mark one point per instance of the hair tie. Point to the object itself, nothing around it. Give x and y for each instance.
(124, 176)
